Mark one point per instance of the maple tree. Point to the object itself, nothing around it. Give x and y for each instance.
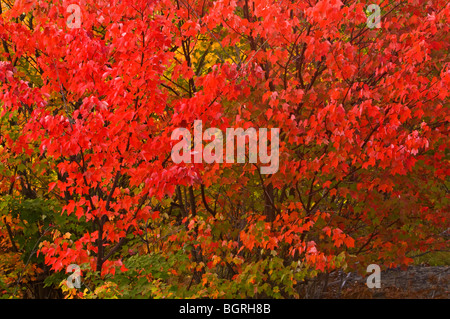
(87, 115)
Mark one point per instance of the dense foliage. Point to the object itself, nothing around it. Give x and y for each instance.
(86, 175)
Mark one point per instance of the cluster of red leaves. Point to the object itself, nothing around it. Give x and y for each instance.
(363, 115)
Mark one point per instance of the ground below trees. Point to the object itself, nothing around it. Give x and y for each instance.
(424, 282)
